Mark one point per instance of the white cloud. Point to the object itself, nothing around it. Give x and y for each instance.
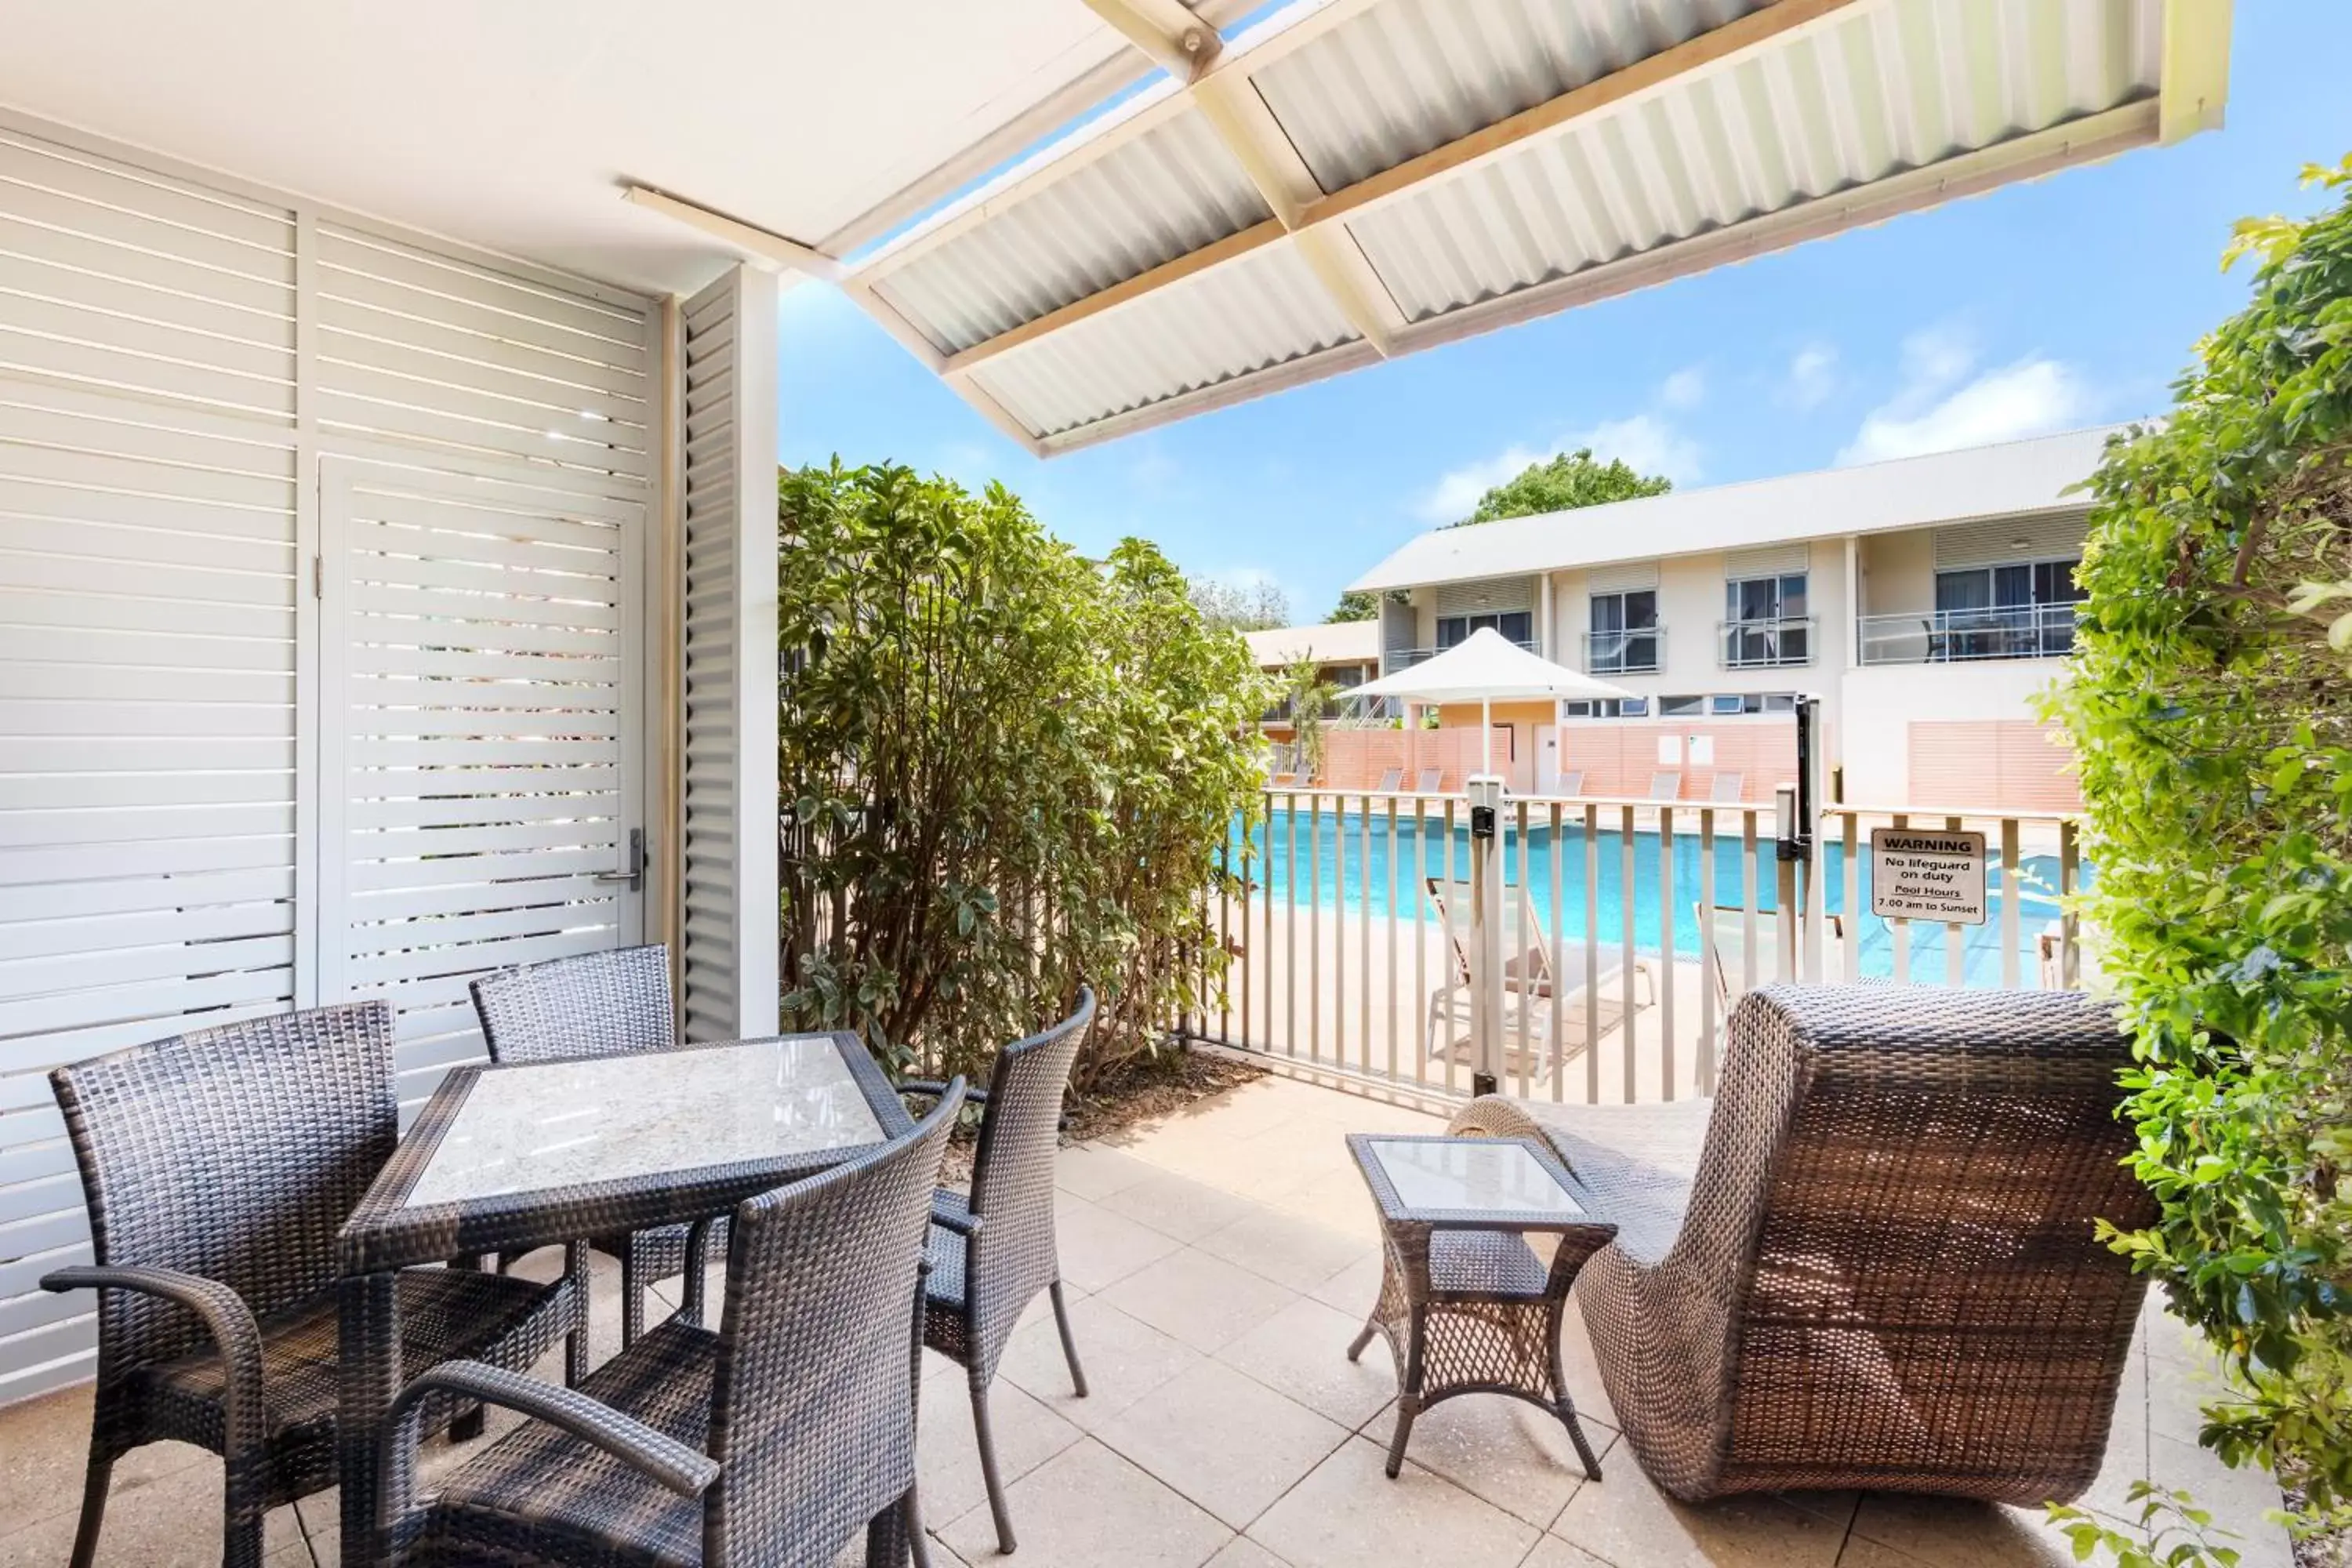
(1646, 442)
(1812, 377)
(2031, 398)
(1934, 357)
(1153, 468)
(1455, 495)
(1649, 441)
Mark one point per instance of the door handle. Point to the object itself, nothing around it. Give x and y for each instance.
(635, 875)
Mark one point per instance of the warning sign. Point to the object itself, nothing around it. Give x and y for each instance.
(1927, 874)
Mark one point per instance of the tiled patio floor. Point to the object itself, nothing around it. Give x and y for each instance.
(1219, 1263)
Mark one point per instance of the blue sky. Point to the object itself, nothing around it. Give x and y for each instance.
(2040, 307)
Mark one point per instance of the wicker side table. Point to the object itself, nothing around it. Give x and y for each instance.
(1465, 1304)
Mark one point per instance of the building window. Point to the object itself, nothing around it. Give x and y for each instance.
(1725, 704)
(1624, 638)
(1608, 708)
(1517, 626)
(1765, 622)
(1681, 707)
(2020, 609)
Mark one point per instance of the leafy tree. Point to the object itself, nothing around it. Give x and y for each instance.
(2213, 725)
(1568, 480)
(1310, 699)
(1005, 770)
(1355, 604)
(1253, 606)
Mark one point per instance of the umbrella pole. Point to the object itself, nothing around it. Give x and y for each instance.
(1486, 736)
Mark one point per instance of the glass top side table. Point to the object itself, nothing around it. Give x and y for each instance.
(1465, 1304)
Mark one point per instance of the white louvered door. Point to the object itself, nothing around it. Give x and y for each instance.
(481, 662)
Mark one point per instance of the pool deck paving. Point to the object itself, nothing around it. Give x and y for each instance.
(1219, 1260)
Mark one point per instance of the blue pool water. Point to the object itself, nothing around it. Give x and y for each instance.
(1336, 866)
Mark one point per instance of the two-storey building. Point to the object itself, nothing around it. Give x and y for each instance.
(1925, 600)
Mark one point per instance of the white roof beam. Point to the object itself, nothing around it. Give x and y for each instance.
(1235, 109)
(773, 252)
(1176, 40)
(2195, 72)
(763, 248)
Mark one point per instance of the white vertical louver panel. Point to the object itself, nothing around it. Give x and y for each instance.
(149, 567)
(478, 751)
(729, 920)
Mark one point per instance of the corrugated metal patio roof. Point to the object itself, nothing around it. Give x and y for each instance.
(1355, 179)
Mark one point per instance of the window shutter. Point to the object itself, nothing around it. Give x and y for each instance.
(1621, 577)
(1767, 561)
(1492, 597)
(2010, 539)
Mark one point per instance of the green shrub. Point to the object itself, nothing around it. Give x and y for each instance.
(2213, 724)
(1005, 769)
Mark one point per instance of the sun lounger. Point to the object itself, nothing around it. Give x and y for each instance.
(1727, 789)
(1665, 787)
(1724, 931)
(1529, 983)
(1572, 781)
(1391, 780)
(1433, 782)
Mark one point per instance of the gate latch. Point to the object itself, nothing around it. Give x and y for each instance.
(635, 875)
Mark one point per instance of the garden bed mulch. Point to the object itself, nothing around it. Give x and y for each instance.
(1143, 1091)
(2325, 1549)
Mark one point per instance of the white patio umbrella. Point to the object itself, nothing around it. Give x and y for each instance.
(1487, 667)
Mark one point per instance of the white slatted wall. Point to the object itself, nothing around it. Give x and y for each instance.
(148, 574)
(213, 787)
(731, 661)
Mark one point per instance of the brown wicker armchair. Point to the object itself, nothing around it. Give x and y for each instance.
(990, 1253)
(1872, 1264)
(599, 1004)
(769, 1442)
(219, 1166)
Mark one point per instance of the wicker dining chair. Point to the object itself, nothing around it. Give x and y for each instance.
(600, 1005)
(769, 1442)
(993, 1252)
(219, 1166)
(1872, 1264)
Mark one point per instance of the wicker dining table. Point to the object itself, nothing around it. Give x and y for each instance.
(506, 1159)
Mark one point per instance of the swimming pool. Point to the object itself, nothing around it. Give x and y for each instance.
(1339, 868)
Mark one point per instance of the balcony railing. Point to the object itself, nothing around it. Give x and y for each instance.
(1398, 658)
(1957, 636)
(1762, 644)
(1642, 650)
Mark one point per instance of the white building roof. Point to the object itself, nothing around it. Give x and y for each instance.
(2015, 478)
(1338, 642)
